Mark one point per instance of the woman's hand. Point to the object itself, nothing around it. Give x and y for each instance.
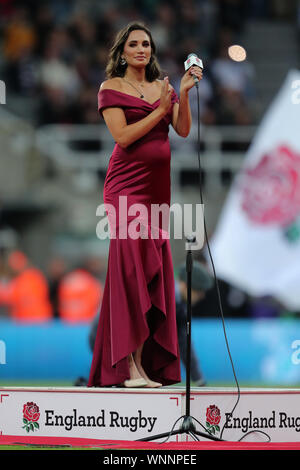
(182, 117)
(165, 96)
(187, 81)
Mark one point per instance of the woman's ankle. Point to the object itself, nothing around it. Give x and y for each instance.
(143, 374)
(133, 370)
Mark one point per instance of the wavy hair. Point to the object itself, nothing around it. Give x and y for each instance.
(114, 67)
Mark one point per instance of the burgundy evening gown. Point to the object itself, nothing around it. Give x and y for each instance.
(138, 304)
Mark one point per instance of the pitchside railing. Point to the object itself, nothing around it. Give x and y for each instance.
(87, 148)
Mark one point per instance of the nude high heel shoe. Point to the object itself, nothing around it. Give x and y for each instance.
(152, 384)
(135, 383)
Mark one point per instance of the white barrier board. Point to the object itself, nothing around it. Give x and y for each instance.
(106, 413)
(131, 414)
(263, 413)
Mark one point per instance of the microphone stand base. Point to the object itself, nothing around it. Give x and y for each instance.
(187, 427)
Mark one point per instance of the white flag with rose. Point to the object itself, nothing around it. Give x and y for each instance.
(256, 244)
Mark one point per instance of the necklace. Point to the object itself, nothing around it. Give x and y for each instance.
(141, 94)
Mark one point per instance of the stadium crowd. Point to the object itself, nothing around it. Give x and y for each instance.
(55, 52)
(72, 292)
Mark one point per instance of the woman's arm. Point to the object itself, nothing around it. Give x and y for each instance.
(125, 134)
(182, 118)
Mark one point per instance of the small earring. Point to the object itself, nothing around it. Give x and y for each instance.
(123, 61)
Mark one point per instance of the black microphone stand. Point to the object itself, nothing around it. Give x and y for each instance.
(187, 426)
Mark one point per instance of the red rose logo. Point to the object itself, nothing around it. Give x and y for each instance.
(271, 190)
(213, 418)
(31, 415)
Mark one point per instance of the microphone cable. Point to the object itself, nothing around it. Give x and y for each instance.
(211, 259)
(216, 280)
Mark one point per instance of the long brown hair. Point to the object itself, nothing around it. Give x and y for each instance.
(114, 67)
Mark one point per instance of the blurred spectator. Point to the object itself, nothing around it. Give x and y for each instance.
(265, 307)
(231, 75)
(57, 69)
(235, 303)
(79, 296)
(19, 35)
(233, 82)
(83, 30)
(56, 269)
(189, 26)
(4, 290)
(86, 111)
(44, 23)
(163, 27)
(19, 41)
(27, 294)
(55, 108)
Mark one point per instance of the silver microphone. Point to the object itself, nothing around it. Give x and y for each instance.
(193, 59)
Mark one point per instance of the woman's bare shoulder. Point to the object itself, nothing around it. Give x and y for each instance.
(112, 84)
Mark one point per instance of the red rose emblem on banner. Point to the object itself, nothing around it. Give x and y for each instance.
(213, 418)
(31, 415)
(271, 190)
